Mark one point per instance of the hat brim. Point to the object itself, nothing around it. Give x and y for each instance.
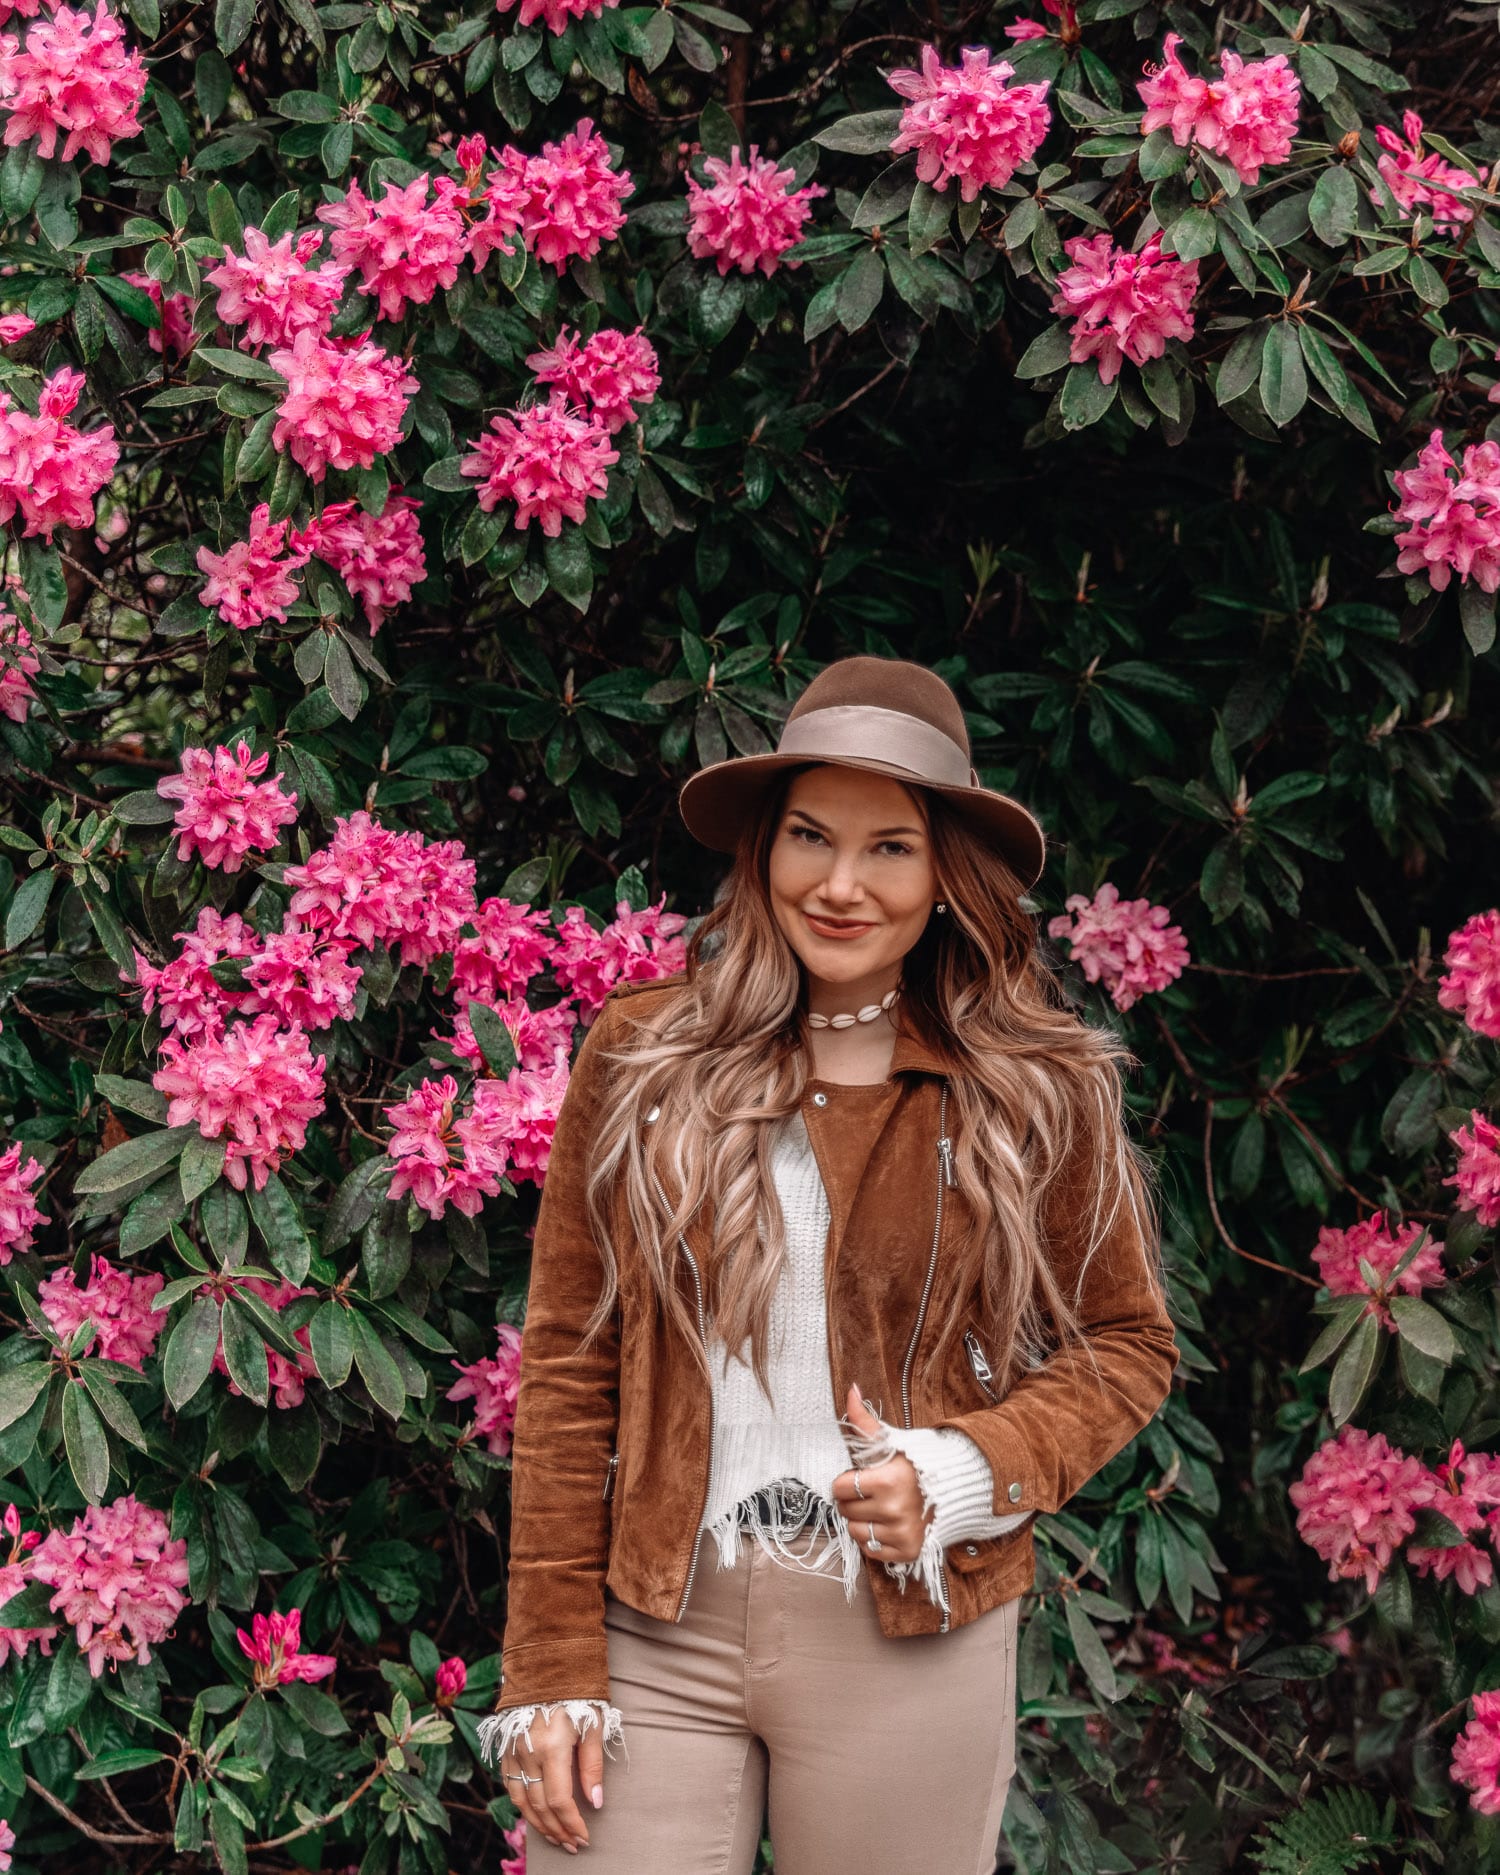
(718, 802)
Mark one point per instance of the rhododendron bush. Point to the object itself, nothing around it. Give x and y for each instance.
(426, 434)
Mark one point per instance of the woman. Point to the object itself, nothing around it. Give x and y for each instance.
(844, 1258)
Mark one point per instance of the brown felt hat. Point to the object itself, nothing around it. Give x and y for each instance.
(886, 715)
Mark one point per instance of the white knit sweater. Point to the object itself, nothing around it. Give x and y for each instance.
(797, 1435)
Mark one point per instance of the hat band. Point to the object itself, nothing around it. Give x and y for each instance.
(864, 729)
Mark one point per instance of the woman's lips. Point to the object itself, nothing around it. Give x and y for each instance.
(837, 930)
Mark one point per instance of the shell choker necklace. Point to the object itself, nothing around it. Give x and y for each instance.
(847, 1019)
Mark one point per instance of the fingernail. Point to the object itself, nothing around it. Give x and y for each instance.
(597, 1796)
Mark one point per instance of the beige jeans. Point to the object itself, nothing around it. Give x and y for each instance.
(885, 1756)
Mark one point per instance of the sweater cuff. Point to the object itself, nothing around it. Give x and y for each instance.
(499, 1732)
(956, 1485)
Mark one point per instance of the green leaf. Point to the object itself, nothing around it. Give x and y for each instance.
(1354, 1370)
(28, 907)
(1046, 353)
(241, 365)
(1283, 381)
(135, 1158)
(859, 289)
(202, 1163)
(87, 1447)
(570, 571)
(1421, 1324)
(306, 107)
(143, 808)
(245, 1352)
(133, 1096)
(1338, 1331)
(864, 134)
(296, 1444)
(19, 1387)
(1092, 1655)
(117, 1763)
(332, 1336)
(377, 1369)
(313, 1708)
(69, 1689)
(113, 1407)
(281, 1230)
(927, 221)
(1085, 397)
(189, 1351)
(1334, 207)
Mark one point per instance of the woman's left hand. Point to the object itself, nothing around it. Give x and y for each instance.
(892, 1500)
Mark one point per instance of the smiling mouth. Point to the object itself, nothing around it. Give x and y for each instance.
(840, 924)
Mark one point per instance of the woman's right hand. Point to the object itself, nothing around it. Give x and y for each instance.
(549, 1806)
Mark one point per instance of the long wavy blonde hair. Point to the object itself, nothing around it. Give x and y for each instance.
(1032, 1084)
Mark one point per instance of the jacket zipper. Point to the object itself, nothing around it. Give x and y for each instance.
(945, 1177)
(982, 1370)
(703, 1332)
(609, 1477)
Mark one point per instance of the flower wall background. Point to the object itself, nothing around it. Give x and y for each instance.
(426, 433)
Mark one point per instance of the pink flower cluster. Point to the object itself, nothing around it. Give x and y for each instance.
(274, 1644)
(547, 460)
(120, 1579)
(118, 1304)
(1472, 983)
(749, 214)
(493, 1383)
(511, 945)
(379, 557)
(14, 1576)
(49, 470)
(192, 1001)
(1478, 1173)
(1416, 182)
(1124, 305)
(258, 1082)
(1475, 1763)
(19, 1213)
(1356, 1501)
(225, 813)
(74, 75)
(302, 977)
(965, 123)
(447, 1157)
(404, 246)
(636, 947)
(15, 326)
(1358, 1497)
(1130, 945)
(543, 1038)
(344, 404)
(1338, 1254)
(271, 290)
(374, 886)
(17, 667)
(288, 1378)
(613, 374)
(1248, 116)
(564, 202)
(1453, 525)
(251, 581)
(554, 13)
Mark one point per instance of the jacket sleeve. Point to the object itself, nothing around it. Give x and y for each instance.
(567, 1413)
(1062, 1422)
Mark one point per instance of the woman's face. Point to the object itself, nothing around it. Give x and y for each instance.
(852, 847)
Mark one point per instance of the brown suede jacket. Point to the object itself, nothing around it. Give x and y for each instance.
(611, 1447)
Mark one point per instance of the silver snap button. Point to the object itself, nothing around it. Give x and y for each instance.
(820, 1100)
(1015, 1494)
(971, 1549)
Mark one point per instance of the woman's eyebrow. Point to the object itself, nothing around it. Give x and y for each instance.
(880, 833)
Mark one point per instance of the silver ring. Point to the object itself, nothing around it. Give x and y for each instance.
(857, 1491)
(526, 1782)
(873, 1541)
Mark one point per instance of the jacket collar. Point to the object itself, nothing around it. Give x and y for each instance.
(911, 1051)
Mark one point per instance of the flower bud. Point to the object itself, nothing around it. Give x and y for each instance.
(452, 1677)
